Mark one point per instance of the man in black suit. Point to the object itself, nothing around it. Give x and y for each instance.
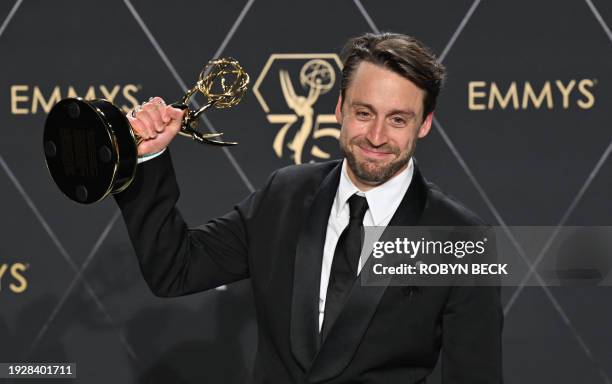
(295, 239)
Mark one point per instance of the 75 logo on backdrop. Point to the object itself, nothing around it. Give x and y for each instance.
(295, 91)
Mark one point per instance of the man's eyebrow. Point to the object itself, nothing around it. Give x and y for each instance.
(408, 112)
(362, 104)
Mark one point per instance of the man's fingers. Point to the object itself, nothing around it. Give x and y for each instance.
(174, 113)
(156, 123)
(138, 127)
(148, 123)
(165, 118)
(154, 112)
(157, 100)
(171, 113)
(160, 104)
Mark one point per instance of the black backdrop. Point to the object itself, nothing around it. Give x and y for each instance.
(522, 136)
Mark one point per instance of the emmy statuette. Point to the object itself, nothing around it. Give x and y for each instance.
(91, 150)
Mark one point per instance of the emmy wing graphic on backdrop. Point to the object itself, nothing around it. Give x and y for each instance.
(317, 76)
(91, 149)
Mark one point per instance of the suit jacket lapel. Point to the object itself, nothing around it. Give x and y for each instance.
(345, 335)
(307, 271)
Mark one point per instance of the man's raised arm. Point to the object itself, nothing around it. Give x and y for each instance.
(174, 259)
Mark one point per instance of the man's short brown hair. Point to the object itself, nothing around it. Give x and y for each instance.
(402, 54)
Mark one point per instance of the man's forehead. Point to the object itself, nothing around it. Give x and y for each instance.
(378, 87)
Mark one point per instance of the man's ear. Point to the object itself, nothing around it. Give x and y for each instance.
(339, 110)
(426, 126)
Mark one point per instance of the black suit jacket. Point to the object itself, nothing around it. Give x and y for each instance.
(384, 334)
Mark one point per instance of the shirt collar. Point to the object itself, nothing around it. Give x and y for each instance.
(383, 200)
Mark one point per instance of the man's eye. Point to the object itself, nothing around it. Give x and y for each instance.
(398, 121)
(363, 114)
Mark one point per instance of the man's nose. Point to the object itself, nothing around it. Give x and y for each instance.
(376, 133)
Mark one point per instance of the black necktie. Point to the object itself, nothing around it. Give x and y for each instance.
(345, 263)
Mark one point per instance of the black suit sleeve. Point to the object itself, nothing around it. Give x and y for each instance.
(471, 332)
(174, 259)
(472, 325)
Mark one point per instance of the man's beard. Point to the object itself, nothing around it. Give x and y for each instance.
(373, 172)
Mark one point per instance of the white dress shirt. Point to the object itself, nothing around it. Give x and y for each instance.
(143, 158)
(383, 201)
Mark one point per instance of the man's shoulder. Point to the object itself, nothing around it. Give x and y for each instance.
(303, 175)
(443, 206)
(321, 168)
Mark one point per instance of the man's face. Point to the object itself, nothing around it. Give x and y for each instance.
(381, 118)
